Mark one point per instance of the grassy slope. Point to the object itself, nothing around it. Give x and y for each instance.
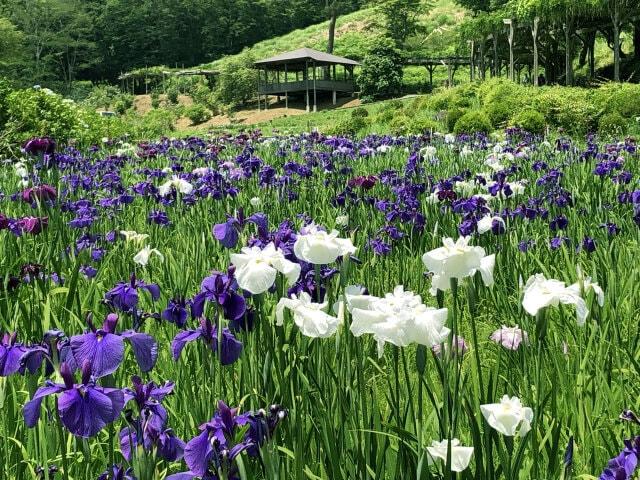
(355, 32)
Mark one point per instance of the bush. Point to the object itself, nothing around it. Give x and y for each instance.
(381, 72)
(172, 94)
(568, 108)
(102, 96)
(385, 115)
(5, 90)
(155, 100)
(400, 124)
(359, 112)
(349, 126)
(529, 120)
(237, 80)
(612, 124)
(155, 123)
(499, 112)
(123, 103)
(473, 122)
(423, 125)
(197, 114)
(623, 98)
(453, 115)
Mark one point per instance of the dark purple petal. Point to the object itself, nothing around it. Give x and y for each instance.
(226, 233)
(181, 339)
(197, 453)
(145, 348)
(105, 352)
(31, 409)
(231, 348)
(86, 414)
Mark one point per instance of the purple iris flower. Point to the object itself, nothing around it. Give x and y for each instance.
(559, 223)
(228, 232)
(612, 228)
(124, 296)
(12, 355)
(589, 245)
(84, 408)
(176, 311)
(230, 347)
(32, 225)
(148, 396)
(42, 145)
(214, 448)
(105, 348)
(220, 288)
(54, 349)
(623, 466)
(149, 429)
(117, 472)
(42, 193)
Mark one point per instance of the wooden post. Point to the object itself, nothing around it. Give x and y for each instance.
(472, 60)
(450, 74)
(315, 97)
(286, 92)
(259, 75)
(615, 20)
(430, 69)
(306, 81)
(482, 65)
(510, 22)
(534, 33)
(496, 59)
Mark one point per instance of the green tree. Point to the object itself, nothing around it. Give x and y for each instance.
(11, 43)
(237, 81)
(381, 73)
(401, 17)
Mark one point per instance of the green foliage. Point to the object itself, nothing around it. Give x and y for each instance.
(197, 113)
(359, 112)
(5, 90)
(381, 73)
(123, 103)
(102, 96)
(349, 126)
(172, 94)
(400, 124)
(400, 18)
(613, 124)
(473, 122)
(453, 115)
(529, 120)
(422, 125)
(623, 98)
(237, 81)
(570, 109)
(155, 99)
(33, 113)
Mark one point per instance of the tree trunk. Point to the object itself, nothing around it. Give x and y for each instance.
(615, 20)
(482, 66)
(569, 28)
(333, 16)
(534, 33)
(496, 60)
(636, 39)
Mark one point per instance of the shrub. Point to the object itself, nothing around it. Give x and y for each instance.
(499, 112)
(155, 99)
(612, 124)
(381, 72)
(568, 108)
(237, 80)
(385, 115)
(359, 112)
(201, 93)
(5, 90)
(102, 96)
(155, 123)
(33, 113)
(423, 125)
(349, 126)
(197, 114)
(453, 115)
(172, 94)
(623, 98)
(123, 103)
(473, 122)
(400, 124)
(529, 120)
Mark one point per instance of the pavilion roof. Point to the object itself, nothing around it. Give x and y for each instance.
(305, 54)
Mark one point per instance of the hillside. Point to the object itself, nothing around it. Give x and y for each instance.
(356, 31)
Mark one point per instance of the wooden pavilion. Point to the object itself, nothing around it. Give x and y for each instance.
(305, 71)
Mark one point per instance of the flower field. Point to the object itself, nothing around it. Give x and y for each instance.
(313, 307)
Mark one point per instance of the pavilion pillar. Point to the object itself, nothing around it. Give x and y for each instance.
(286, 93)
(315, 93)
(450, 74)
(306, 82)
(534, 34)
(335, 97)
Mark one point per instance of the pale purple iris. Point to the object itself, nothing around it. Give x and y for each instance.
(230, 347)
(510, 337)
(84, 408)
(104, 348)
(623, 466)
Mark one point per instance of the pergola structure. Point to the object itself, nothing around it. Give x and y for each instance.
(304, 70)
